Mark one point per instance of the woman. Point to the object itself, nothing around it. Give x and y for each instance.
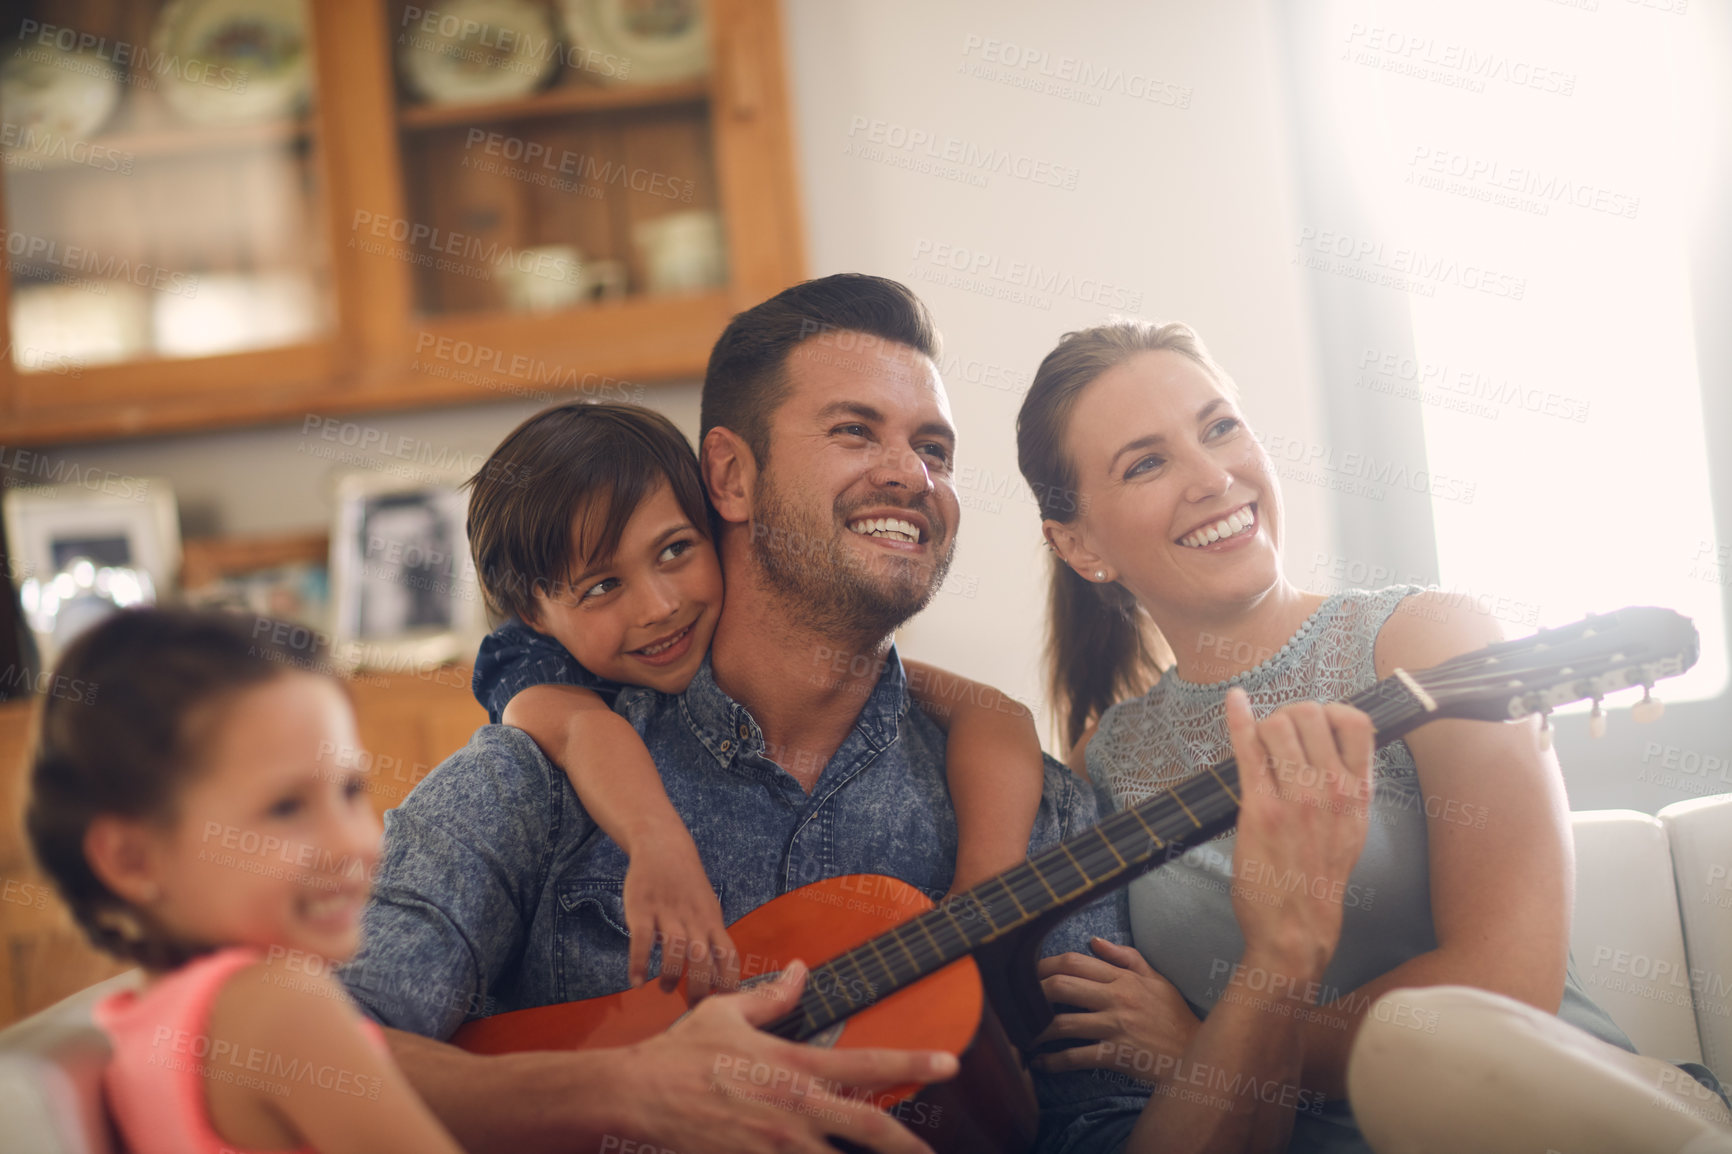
(1165, 519)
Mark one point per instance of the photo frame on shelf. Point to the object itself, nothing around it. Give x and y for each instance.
(282, 577)
(78, 554)
(404, 595)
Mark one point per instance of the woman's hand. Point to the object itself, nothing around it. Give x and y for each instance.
(1305, 796)
(1129, 1010)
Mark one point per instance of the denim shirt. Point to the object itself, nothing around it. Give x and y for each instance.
(514, 657)
(497, 891)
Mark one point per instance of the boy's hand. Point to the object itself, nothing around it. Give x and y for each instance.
(668, 900)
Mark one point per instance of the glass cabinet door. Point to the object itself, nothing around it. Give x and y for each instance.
(161, 191)
(556, 154)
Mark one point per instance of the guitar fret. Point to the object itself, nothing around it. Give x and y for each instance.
(1225, 788)
(1107, 841)
(817, 988)
(896, 934)
(921, 922)
(1041, 877)
(1134, 812)
(1083, 876)
(1181, 801)
(852, 956)
(889, 970)
(974, 903)
(1004, 884)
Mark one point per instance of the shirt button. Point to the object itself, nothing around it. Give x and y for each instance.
(745, 731)
(726, 745)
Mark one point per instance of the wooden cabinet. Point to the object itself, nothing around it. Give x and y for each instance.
(380, 250)
(408, 724)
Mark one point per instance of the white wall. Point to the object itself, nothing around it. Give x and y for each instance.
(1181, 208)
(1181, 213)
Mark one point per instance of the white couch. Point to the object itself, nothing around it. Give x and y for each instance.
(1652, 941)
(51, 1078)
(1652, 936)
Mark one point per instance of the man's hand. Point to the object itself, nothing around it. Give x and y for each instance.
(668, 899)
(1305, 796)
(716, 1083)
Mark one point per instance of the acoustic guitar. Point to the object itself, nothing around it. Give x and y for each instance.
(902, 973)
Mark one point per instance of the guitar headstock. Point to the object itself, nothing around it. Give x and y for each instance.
(1593, 657)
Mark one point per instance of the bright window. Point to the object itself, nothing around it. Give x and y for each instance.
(1536, 170)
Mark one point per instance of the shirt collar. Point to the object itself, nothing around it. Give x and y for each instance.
(724, 726)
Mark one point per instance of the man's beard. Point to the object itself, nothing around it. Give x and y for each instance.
(835, 591)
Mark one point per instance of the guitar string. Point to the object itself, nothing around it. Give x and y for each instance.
(1033, 877)
(1384, 702)
(919, 938)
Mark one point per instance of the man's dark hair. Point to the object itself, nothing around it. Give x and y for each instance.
(746, 380)
(603, 459)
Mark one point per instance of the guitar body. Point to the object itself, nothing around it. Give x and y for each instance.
(988, 1107)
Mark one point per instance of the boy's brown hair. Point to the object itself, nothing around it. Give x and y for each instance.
(601, 460)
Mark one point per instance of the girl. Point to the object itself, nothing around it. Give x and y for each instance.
(204, 817)
(591, 534)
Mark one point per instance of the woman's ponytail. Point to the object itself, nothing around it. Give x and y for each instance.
(1101, 646)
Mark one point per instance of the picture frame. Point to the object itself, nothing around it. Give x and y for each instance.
(77, 554)
(282, 576)
(404, 594)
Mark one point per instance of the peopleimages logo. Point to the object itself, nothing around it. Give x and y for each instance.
(970, 156)
(1366, 259)
(987, 269)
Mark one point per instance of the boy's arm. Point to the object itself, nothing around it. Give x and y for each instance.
(994, 766)
(667, 893)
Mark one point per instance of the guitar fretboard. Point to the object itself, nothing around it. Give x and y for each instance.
(1112, 853)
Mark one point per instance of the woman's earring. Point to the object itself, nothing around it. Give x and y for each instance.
(1100, 574)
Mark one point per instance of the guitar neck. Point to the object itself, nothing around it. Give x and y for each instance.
(1046, 887)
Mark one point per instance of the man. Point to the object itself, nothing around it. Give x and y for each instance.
(792, 756)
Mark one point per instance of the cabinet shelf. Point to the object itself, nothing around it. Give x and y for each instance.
(150, 144)
(401, 240)
(555, 102)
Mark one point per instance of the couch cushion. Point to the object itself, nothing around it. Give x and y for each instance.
(1626, 938)
(1700, 833)
(51, 1077)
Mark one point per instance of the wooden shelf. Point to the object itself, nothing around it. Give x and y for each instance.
(555, 102)
(188, 140)
(363, 156)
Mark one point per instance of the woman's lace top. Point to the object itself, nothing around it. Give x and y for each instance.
(1182, 913)
(1178, 727)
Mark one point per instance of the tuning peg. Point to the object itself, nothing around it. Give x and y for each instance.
(1545, 730)
(1647, 709)
(1597, 721)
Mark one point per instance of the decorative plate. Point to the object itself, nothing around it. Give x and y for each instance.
(639, 41)
(49, 96)
(233, 61)
(468, 51)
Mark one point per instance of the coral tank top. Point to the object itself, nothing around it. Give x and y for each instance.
(155, 1082)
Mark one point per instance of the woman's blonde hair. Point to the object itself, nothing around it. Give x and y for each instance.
(1100, 646)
